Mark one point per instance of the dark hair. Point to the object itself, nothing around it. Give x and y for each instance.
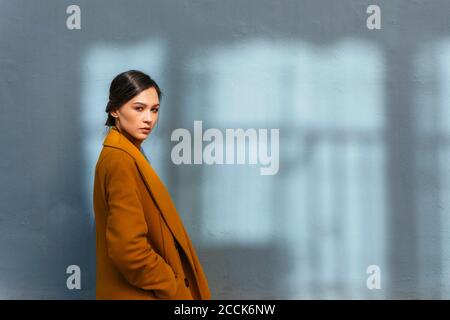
(124, 87)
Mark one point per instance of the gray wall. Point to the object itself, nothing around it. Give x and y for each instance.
(364, 127)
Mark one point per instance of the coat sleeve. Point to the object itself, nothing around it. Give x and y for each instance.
(126, 231)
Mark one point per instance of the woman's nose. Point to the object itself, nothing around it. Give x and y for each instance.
(148, 116)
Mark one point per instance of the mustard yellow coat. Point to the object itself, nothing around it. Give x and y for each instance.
(143, 250)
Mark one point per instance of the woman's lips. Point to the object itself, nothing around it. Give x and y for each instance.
(146, 129)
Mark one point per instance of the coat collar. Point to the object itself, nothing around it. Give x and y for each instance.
(155, 186)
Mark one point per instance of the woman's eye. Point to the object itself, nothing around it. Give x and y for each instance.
(155, 110)
(139, 108)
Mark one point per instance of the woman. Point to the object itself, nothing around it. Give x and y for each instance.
(143, 250)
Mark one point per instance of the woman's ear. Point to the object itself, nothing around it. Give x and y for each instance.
(114, 114)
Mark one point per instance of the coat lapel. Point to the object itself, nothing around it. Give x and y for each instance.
(155, 186)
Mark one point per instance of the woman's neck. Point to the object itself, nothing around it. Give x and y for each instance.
(134, 141)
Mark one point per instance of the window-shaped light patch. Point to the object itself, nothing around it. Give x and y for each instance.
(326, 206)
(336, 154)
(101, 64)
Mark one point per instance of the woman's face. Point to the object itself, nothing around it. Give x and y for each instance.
(138, 116)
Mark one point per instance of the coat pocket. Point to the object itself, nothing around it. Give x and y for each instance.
(182, 293)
